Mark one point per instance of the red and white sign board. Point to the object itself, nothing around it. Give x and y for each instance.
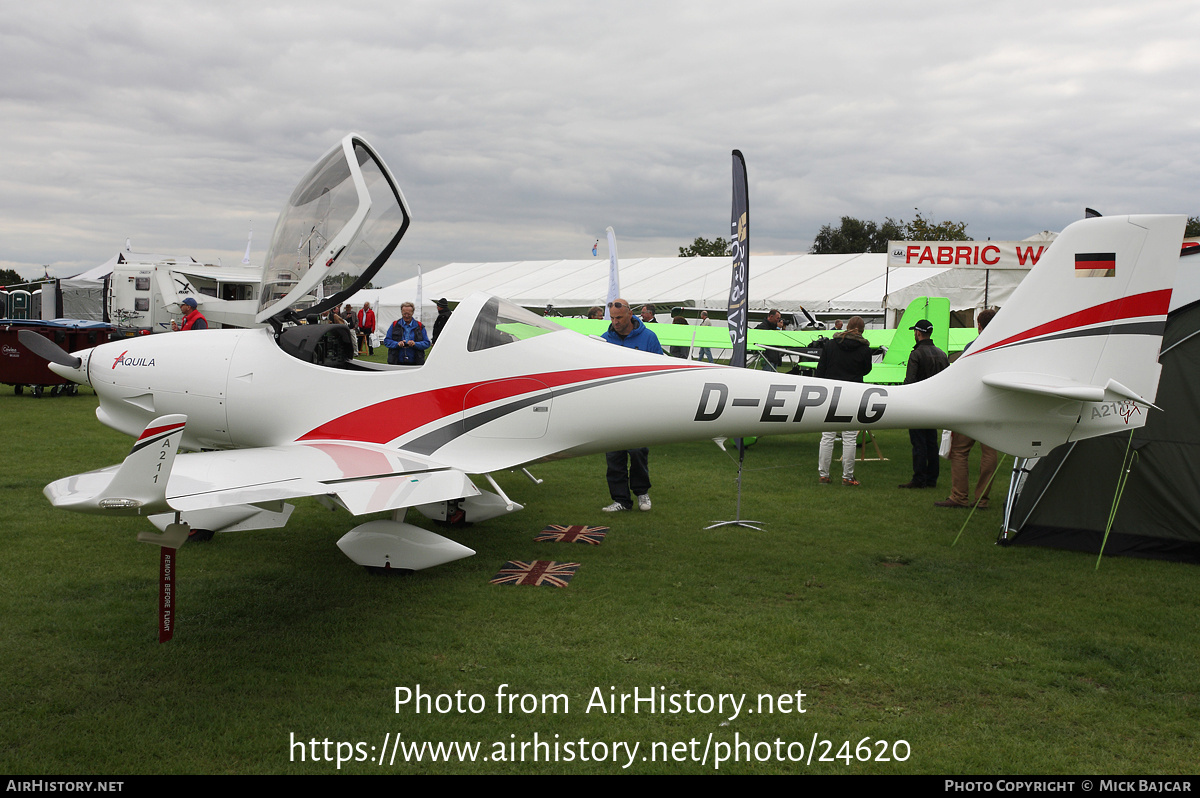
(967, 254)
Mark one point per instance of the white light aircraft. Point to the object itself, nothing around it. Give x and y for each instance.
(279, 412)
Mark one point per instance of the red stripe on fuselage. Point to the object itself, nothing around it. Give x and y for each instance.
(385, 421)
(1152, 303)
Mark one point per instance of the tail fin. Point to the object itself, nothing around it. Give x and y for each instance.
(136, 487)
(934, 308)
(1079, 338)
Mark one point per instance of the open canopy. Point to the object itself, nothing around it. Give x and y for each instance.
(343, 220)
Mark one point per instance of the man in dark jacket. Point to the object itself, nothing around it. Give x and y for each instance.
(925, 361)
(443, 308)
(846, 357)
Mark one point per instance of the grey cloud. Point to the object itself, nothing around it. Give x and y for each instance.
(523, 130)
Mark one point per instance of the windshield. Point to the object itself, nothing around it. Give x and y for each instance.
(501, 322)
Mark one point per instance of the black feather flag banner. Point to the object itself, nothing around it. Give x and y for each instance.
(739, 287)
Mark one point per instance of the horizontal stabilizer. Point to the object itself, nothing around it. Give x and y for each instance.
(1063, 388)
(1046, 385)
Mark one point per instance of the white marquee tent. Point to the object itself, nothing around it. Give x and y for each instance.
(839, 285)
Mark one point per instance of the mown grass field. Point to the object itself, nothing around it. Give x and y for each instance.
(983, 659)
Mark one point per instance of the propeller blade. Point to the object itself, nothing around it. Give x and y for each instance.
(46, 349)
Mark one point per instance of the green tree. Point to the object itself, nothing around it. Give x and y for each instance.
(854, 236)
(703, 248)
(922, 229)
(10, 277)
(1193, 227)
(340, 281)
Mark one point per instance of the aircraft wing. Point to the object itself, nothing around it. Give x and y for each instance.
(887, 374)
(364, 478)
(960, 337)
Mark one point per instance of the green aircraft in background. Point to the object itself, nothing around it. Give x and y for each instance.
(889, 372)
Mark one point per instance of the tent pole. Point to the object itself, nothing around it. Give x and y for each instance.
(975, 507)
(1122, 479)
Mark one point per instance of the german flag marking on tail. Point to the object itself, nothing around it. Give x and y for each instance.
(1095, 264)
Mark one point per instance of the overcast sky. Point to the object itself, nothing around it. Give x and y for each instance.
(522, 130)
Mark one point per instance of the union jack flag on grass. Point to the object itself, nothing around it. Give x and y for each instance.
(538, 572)
(557, 533)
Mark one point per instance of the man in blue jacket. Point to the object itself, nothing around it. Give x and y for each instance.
(629, 470)
(406, 339)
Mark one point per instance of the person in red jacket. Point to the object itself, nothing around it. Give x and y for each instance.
(192, 318)
(366, 326)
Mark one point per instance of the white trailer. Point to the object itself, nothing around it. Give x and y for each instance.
(144, 291)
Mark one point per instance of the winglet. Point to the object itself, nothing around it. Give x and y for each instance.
(1114, 387)
(137, 487)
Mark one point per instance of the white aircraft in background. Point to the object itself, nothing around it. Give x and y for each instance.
(284, 411)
